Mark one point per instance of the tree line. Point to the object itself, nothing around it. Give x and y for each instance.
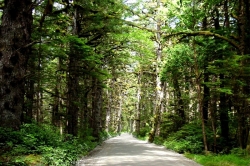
(58, 62)
(200, 72)
(149, 67)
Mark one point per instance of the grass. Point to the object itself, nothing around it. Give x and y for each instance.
(220, 160)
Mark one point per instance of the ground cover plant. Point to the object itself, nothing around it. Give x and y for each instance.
(37, 144)
(220, 160)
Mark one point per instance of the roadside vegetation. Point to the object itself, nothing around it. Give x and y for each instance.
(188, 141)
(220, 160)
(43, 145)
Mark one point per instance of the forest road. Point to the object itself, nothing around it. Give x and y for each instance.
(125, 150)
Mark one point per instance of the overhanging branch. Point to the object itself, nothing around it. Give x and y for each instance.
(204, 33)
(130, 23)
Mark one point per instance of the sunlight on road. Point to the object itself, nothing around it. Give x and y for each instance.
(125, 150)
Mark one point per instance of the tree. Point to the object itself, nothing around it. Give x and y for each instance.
(73, 75)
(15, 44)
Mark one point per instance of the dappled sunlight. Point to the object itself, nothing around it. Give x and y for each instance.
(125, 150)
(133, 159)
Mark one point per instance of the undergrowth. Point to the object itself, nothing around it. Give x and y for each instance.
(43, 145)
(220, 160)
(188, 140)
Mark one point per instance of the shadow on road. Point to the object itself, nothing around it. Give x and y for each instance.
(125, 150)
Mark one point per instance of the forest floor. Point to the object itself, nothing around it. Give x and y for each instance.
(125, 150)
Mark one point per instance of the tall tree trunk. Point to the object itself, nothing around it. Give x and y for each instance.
(39, 91)
(15, 37)
(96, 108)
(138, 104)
(73, 82)
(223, 107)
(119, 113)
(206, 95)
(30, 91)
(213, 111)
(108, 111)
(159, 91)
(200, 102)
(206, 91)
(200, 97)
(73, 99)
(180, 104)
(244, 40)
(223, 112)
(56, 117)
(84, 121)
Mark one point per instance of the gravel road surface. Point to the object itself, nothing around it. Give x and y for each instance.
(126, 150)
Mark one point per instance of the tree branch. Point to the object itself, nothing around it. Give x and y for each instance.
(204, 33)
(130, 23)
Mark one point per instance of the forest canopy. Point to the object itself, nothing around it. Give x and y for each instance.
(172, 71)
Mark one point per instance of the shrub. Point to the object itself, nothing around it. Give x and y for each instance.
(57, 156)
(159, 140)
(34, 135)
(144, 131)
(239, 152)
(104, 135)
(187, 139)
(45, 142)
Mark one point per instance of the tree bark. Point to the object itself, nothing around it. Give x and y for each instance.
(108, 111)
(180, 104)
(223, 111)
(223, 108)
(56, 117)
(96, 108)
(159, 91)
(213, 111)
(15, 36)
(73, 99)
(138, 104)
(244, 49)
(206, 96)
(73, 82)
(30, 91)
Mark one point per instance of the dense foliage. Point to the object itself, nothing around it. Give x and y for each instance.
(174, 72)
(42, 144)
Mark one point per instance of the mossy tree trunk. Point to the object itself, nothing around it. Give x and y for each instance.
(159, 90)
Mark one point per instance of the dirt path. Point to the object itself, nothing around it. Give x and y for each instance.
(125, 150)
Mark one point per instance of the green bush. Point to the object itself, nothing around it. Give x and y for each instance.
(105, 135)
(8, 135)
(188, 139)
(178, 146)
(45, 142)
(144, 131)
(239, 152)
(182, 146)
(57, 156)
(159, 140)
(34, 135)
(169, 124)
